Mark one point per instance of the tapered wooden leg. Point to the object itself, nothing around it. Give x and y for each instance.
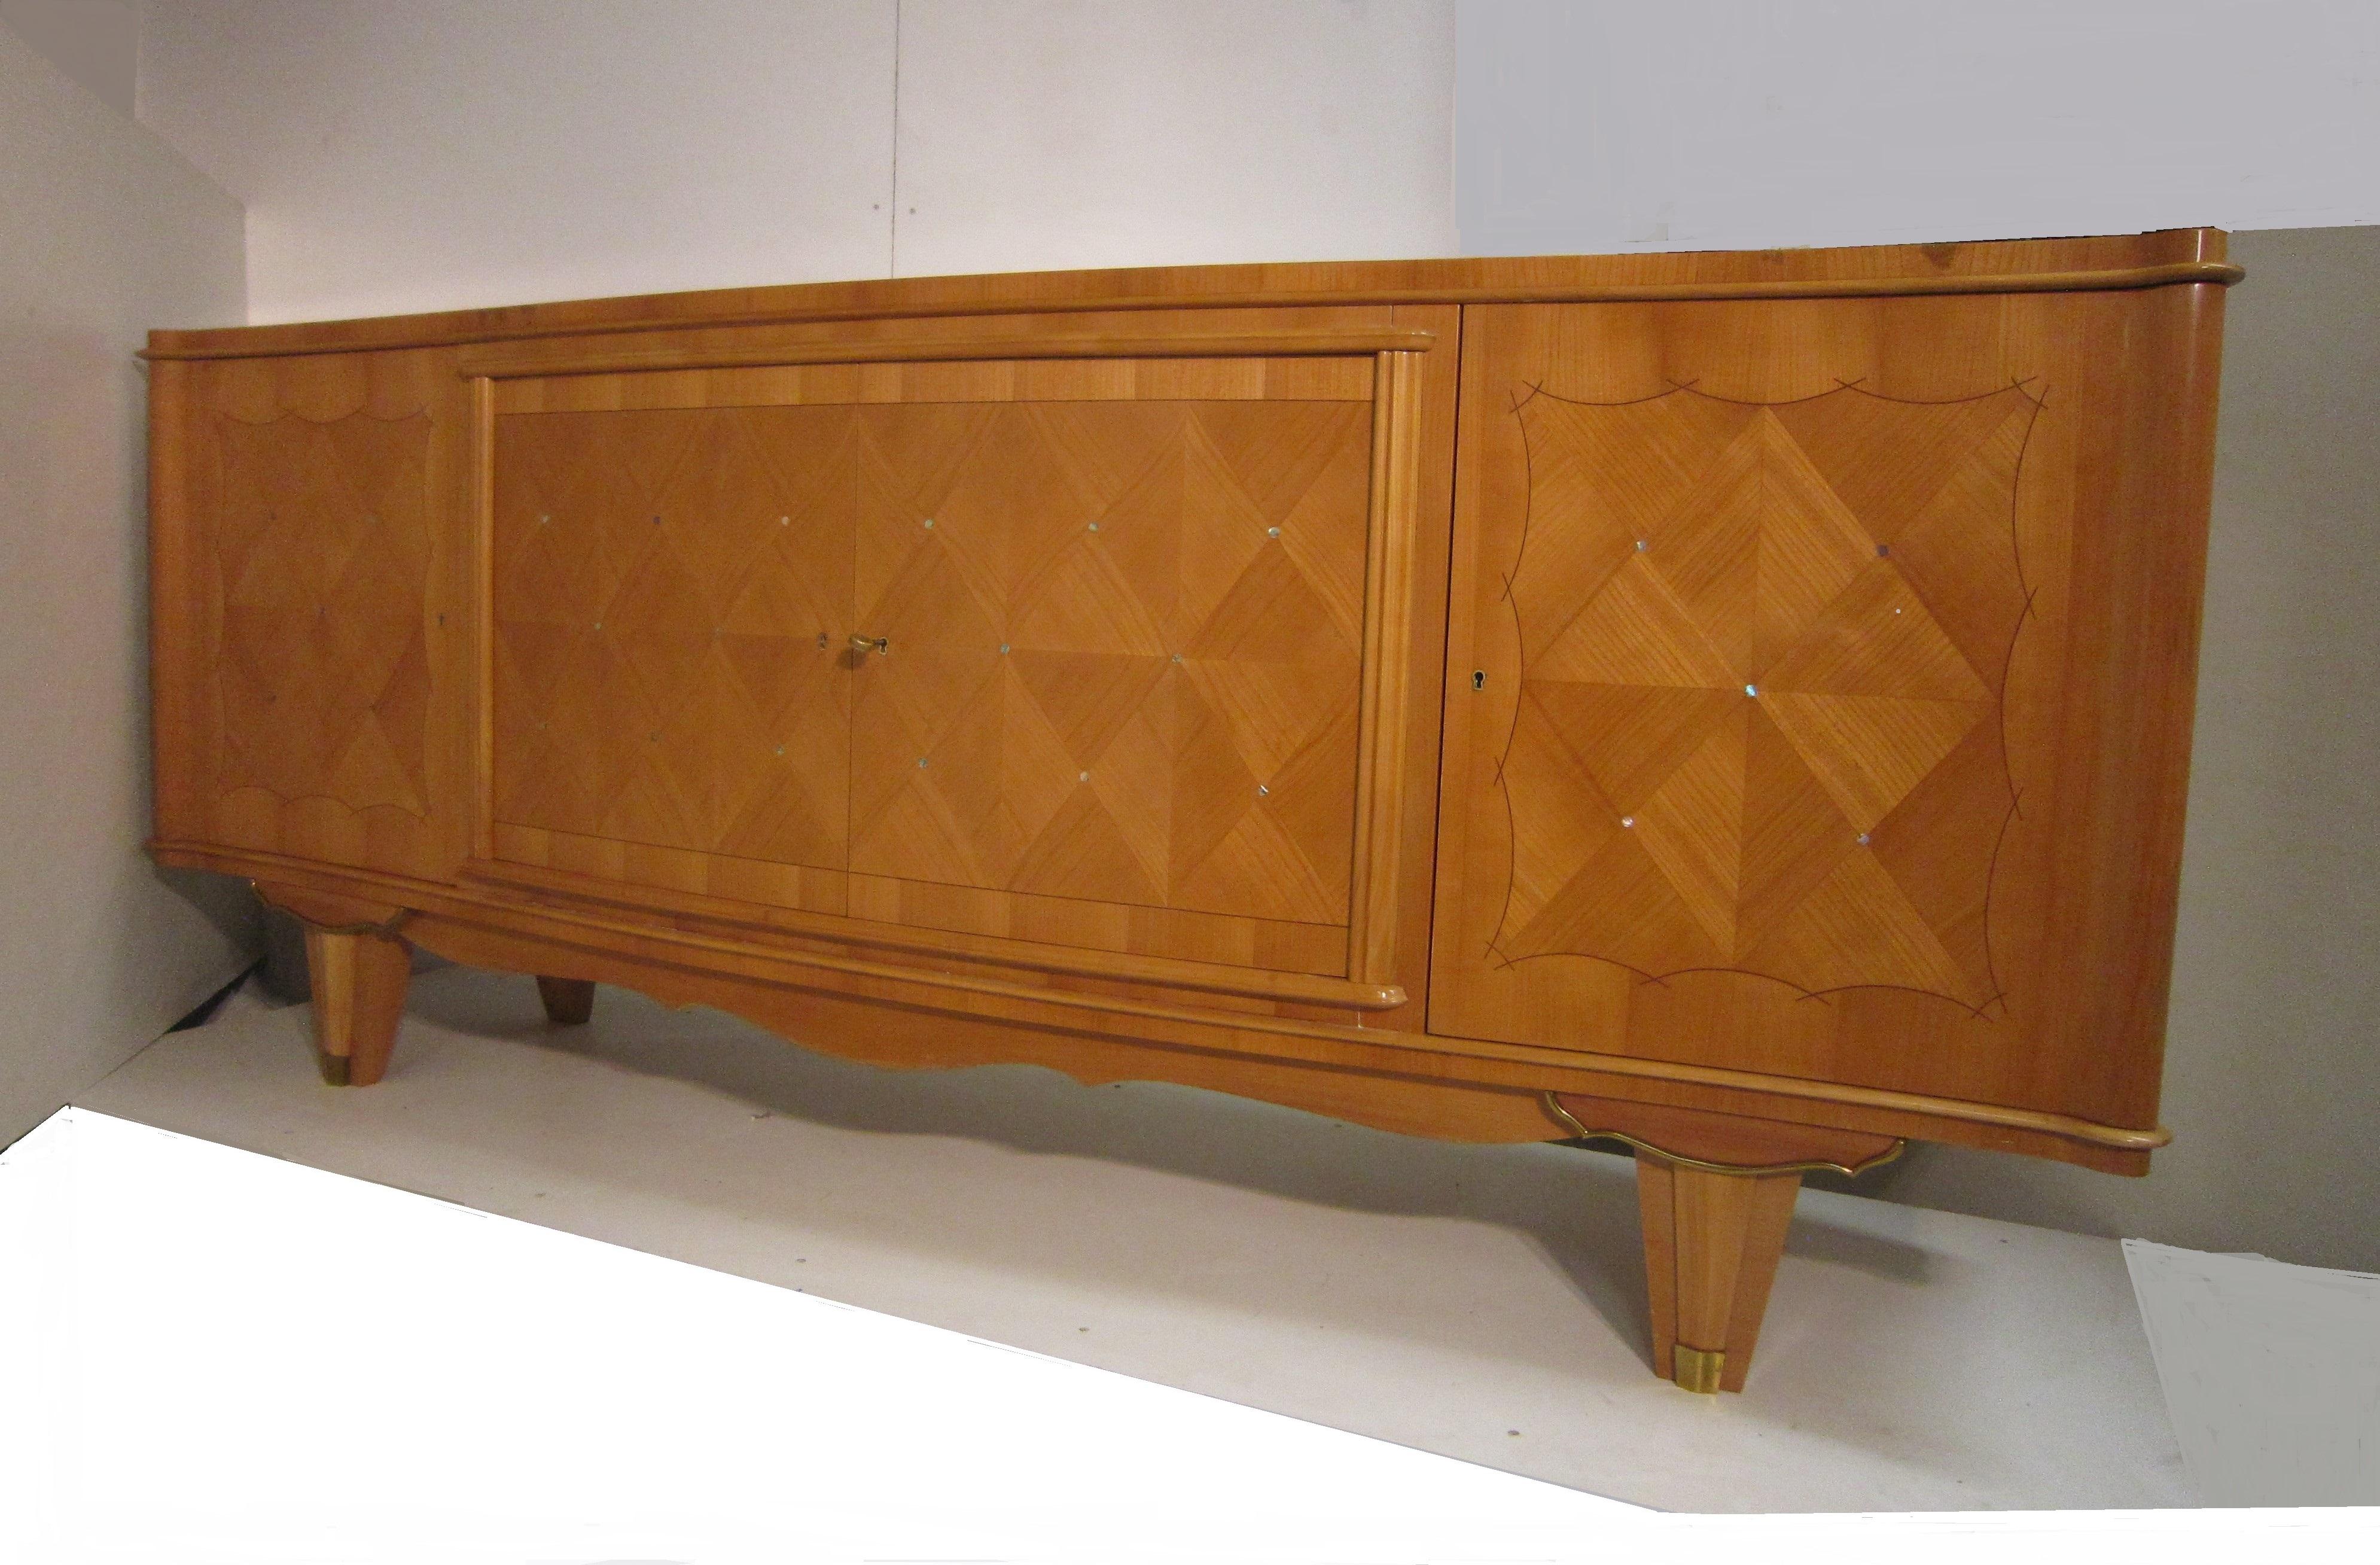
(568, 1002)
(358, 982)
(1712, 1241)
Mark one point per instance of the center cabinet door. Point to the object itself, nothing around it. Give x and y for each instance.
(1070, 652)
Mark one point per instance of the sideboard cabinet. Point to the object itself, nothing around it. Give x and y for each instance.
(1735, 704)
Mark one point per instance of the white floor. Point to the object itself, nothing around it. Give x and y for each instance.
(2271, 1374)
(209, 1355)
(1479, 1302)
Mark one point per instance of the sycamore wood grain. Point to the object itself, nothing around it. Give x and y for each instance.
(1736, 1143)
(1425, 407)
(576, 359)
(338, 911)
(314, 626)
(998, 1007)
(2097, 265)
(569, 1002)
(1173, 726)
(1402, 846)
(1408, 1102)
(179, 654)
(1257, 961)
(1388, 599)
(358, 982)
(1830, 667)
(1712, 1241)
(477, 525)
(887, 378)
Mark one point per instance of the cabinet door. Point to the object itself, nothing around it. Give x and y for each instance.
(1822, 677)
(671, 592)
(1123, 642)
(1114, 618)
(305, 574)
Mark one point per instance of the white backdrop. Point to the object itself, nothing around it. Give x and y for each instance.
(432, 156)
(443, 153)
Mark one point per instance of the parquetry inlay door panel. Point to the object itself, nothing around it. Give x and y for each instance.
(1733, 681)
(322, 556)
(1781, 623)
(308, 698)
(1123, 641)
(661, 582)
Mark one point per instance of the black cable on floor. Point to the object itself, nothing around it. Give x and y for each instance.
(214, 1002)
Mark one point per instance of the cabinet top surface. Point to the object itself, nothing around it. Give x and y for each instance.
(2127, 260)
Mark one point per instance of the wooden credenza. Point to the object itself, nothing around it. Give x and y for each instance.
(1738, 704)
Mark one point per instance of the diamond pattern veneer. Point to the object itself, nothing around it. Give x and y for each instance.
(1124, 641)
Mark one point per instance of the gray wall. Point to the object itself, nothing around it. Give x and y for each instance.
(103, 233)
(1584, 126)
(2273, 1057)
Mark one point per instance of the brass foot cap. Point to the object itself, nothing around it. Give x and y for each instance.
(1698, 1369)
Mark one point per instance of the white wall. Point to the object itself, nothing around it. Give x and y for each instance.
(1592, 125)
(104, 234)
(441, 153)
(1050, 134)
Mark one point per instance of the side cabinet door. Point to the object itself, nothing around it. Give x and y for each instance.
(311, 608)
(1820, 686)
